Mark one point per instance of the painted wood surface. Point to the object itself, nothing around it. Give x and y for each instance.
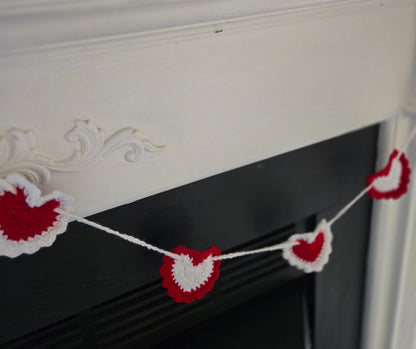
(390, 320)
(221, 88)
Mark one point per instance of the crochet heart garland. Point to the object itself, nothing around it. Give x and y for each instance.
(312, 250)
(28, 221)
(191, 275)
(392, 181)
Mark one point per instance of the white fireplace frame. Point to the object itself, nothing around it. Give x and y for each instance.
(221, 84)
(390, 316)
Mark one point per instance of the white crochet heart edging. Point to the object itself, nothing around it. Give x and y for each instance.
(323, 256)
(392, 180)
(190, 277)
(12, 249)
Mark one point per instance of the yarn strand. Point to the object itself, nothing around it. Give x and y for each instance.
(407, 143)
(167, 253)
(349, 205)
(260, 250)
(116, 233)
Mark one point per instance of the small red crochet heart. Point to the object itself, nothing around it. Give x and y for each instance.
(392, 181)
(191, 275)
(27, 220)
(311, 251)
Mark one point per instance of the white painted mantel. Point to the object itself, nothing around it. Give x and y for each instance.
(220, 85)
(176, 91)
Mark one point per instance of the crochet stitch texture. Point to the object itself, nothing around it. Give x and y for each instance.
(192, 275)
(313, 249)
(392, 181)
(28, 221)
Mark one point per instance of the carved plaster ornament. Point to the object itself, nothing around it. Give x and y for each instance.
(18, 153)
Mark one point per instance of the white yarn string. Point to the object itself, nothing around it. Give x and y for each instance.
(120, 235)
(407, 143)
(260, 250)
(349, 205)
(167, 253)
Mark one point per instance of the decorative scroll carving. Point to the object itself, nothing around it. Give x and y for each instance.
(18, 152)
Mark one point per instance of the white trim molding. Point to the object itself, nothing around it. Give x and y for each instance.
(84, 27)
(28, 24)
(390, 316)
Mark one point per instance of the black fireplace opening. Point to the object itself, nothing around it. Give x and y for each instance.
(91, 290)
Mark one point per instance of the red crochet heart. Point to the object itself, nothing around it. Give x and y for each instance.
(392, 181)
(309, 251)
(19, 221)
(28, 221)
(191, 275)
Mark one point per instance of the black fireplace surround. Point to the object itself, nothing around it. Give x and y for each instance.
(92, 290)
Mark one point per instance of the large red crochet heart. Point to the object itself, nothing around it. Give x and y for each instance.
(27, 220)
(191, 275)
(311, 251)
(392, 181)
